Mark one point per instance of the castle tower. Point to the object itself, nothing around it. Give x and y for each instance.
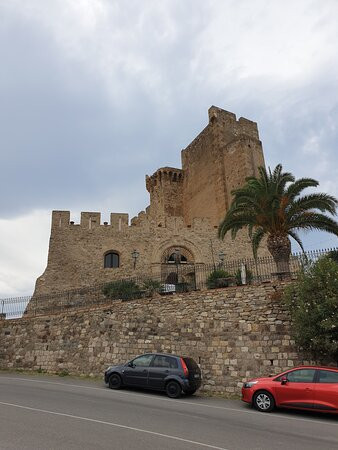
(217, 161)
(166, 195)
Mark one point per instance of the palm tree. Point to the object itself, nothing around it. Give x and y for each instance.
(271, 206)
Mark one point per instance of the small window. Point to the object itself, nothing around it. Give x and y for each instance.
(111, 260)
(143, 361)
(328, 376)
(166, 362)
(301, 376)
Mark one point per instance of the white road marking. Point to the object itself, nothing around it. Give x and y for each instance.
(112, 424)
(181, 401)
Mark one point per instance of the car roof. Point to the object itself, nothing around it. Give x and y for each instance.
(335, 369)
(162, 354)
(315, 367)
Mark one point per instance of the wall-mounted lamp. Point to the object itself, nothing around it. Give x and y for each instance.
(135, 255)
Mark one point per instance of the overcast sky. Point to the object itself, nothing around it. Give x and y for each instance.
(94, 94)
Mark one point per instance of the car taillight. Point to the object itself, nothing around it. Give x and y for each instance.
(184, 367)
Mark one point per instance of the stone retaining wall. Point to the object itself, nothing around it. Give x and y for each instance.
(234, 333)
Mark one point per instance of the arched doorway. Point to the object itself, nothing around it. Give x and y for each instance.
(178, 268)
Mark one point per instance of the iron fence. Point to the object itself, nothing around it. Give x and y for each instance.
(171, 278)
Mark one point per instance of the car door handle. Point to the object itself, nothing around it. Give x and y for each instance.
(308, 389)
(166, 371)
(145, 371)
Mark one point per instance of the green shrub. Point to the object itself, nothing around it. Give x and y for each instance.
(214, 276)
(333, 254)
(122, 290)
(313, 304)
(249, 277)
(151, 286)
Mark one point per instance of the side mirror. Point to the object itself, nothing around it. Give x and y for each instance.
(284, 380)
(130, 364)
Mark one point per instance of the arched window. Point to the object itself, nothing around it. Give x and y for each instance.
(111, 259)
(177, 258)
(177, 255)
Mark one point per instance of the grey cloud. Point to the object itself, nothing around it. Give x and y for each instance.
(76, 137)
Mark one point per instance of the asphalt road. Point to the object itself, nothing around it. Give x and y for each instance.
(43, 412)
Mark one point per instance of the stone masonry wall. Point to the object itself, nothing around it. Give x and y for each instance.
(76, 252)
(234, 333)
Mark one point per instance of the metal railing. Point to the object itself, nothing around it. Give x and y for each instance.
(172, 278)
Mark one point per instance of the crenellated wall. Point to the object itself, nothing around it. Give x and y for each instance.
(76, 251)
(165, 187)
(234, 333)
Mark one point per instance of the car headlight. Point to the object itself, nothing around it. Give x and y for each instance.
(249, 384)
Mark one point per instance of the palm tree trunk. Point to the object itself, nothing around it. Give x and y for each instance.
(280, 248)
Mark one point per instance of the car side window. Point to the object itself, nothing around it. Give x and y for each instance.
(327, 376)
(165, 362)
(301, 376)
(142, 361)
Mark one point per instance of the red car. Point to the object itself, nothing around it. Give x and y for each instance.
(305, 387)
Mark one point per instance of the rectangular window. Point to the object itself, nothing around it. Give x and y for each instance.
(166, 362)
(111, 260)
(301, 376)
(328, 376)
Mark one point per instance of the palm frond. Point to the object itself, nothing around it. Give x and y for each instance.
(314, 221)
(235, 223)
(323, 202)
(256, 240)
(299, 185)
(295, 236)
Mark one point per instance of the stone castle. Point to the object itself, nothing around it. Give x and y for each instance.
(180, 225)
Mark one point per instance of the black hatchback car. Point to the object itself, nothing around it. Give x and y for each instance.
(159, 371)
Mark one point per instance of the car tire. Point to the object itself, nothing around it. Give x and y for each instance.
(190, 392)
(264, 401)
(173, 389)
(115, 381)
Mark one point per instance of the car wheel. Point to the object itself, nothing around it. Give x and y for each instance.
(263, 401)
(115, 381)
(190, 392)
(173, 389)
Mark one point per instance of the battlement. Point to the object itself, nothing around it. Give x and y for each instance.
(119, 222)
(221, 123)
(164, 175)
(89, 220)
(229, 121)
(216, 113)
